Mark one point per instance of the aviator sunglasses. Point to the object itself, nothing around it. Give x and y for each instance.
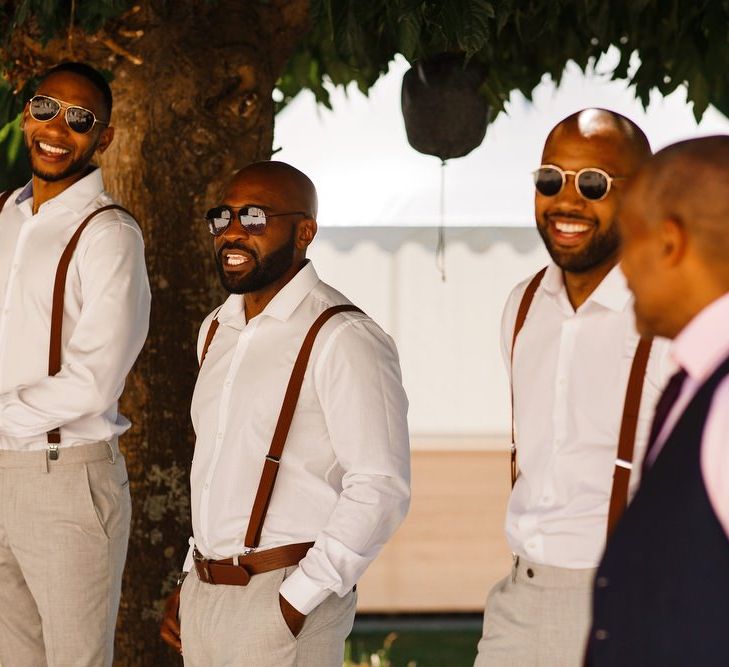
(591, 183)
(252, 218)
(43, 108)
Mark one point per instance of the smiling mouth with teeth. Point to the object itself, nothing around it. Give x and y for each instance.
(571, 227)
(235, 260)
(54, 150)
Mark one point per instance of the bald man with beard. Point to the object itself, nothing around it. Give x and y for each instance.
(301, 467)
(584, 386)
(661, 595)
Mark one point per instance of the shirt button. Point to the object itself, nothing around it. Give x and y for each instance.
(227, 383)
(219, 436)
(206, 487)
(601, 635)
(602, 582)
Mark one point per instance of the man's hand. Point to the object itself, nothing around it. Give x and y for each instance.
(294, 618)
(170, 628)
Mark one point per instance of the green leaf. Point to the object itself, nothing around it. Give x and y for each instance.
(14, 169)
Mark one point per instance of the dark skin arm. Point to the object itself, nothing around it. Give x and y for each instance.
(170, 628)
(294, 618)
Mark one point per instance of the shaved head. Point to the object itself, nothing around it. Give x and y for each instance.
(601, 125)
(289, 186)
(258, 263)
(580, 231)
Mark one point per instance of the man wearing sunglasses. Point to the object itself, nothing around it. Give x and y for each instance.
(583, 388)
(297, 389)
(74, 312)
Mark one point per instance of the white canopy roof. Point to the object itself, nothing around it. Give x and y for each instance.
(367, 174)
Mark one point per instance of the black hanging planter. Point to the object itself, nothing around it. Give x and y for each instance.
(445, 115)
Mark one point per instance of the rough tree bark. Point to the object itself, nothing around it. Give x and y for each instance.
(196, 110)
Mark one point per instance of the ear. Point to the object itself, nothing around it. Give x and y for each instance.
(305, 233)
(107, 136)
(674, 241)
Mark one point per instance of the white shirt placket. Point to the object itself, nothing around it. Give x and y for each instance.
(225, 397)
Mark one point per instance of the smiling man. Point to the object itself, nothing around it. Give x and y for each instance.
(74, 312)
(300, 389)
(583, 393)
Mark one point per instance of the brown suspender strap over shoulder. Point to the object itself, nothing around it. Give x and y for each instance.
(526, 302)
(4, 197)
(59, 286)
(271, 462)
(626, 441)
(629, 422)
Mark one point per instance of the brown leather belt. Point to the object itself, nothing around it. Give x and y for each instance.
(239, 570)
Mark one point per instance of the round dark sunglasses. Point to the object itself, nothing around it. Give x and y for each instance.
(44, 108)
(591, 183)
(252, 218)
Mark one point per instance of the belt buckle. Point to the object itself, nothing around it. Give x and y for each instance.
(202, 565)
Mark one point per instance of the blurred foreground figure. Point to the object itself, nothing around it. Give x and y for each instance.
(584, 385)
(662, 590)
(272, 571)
(74, 313)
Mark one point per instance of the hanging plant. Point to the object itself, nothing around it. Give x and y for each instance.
(445, 113)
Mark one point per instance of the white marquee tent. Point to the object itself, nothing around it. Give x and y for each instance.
(379, 205)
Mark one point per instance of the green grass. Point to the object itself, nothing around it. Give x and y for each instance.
(437, 643)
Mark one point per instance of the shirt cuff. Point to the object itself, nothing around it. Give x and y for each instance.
(188, 559)
(302, 593)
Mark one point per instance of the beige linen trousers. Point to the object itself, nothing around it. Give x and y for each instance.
(237, 626)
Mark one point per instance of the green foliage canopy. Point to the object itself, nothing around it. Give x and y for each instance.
(677, 41)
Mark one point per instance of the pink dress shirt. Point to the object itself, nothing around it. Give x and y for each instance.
(700, 347)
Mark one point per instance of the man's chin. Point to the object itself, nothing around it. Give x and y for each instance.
(55, 176)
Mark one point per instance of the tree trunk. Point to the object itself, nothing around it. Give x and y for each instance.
(194, 112)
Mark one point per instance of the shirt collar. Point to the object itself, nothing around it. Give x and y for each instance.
(76, 197)
(704, 342)
(612, 292)
(288, 298)
(25, 193)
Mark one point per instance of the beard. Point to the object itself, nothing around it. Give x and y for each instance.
(266, 270)
(72, 169)
(601, 247)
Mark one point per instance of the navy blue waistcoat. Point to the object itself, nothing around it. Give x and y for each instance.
(661, 596)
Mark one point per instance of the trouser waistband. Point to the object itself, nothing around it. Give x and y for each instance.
(39, 459)
(549, 576)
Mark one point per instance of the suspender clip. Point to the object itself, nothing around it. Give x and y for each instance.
(53, 452)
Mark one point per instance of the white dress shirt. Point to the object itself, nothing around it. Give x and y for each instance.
(344, 476)
(700, 348)
(570, 376)
(106, 316)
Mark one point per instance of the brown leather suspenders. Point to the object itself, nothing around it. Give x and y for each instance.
(285, 417)
(526, 302)
(626, 440)
(631, 409)
(4, 197)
